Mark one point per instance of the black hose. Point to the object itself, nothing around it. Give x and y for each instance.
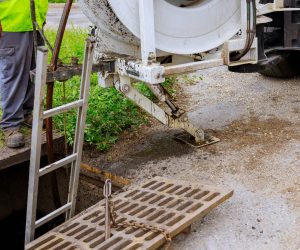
(251, 32)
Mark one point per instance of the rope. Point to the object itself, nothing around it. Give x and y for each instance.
(36, 28)
(33, 19)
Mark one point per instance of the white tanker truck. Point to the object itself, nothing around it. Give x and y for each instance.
(191, 27)
(146, 40)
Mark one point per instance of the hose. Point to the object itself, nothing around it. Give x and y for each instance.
(251, 31)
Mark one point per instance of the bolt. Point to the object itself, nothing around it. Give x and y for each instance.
(184, 118)
(125, 88)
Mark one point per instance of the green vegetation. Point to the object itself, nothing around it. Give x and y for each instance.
(191, 79)
(109, 113)
(73, 43)
(57, 1)
(168, 85)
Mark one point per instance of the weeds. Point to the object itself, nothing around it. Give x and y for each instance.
(109, 113)
(191, 79)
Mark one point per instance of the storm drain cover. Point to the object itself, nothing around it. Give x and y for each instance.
(167, 204)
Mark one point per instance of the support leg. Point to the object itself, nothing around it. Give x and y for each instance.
(165, 115)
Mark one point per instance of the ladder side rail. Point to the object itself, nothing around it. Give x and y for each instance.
(83, 75)
(81, 121)
(35, 155)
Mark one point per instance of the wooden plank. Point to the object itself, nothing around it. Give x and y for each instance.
(10, 157)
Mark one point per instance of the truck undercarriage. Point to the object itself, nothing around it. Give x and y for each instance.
(279, 43)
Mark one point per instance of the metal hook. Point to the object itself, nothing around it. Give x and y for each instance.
(107, 188)
(107, 194)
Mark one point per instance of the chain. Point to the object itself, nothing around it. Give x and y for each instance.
(42, 33)
(137, 225)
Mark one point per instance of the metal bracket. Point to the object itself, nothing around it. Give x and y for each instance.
(237, 44)
(153, 73)
(188, 139)
(161, 114)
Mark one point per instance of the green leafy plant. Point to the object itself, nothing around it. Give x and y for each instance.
(109, 114)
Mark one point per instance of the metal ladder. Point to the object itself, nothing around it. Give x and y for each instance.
(74, 159)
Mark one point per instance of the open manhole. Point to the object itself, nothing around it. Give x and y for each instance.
(167, 204)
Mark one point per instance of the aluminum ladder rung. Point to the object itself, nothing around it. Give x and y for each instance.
(58, 164)
(53, 214)
(62, 109)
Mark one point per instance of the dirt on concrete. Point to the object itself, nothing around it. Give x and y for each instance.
(258, 122)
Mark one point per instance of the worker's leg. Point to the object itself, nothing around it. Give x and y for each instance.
(15, 62)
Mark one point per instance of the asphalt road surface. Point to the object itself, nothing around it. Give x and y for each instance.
(76, 18)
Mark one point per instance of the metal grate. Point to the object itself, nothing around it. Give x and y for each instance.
(168, 204)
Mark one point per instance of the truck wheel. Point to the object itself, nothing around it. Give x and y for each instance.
(286, 67)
